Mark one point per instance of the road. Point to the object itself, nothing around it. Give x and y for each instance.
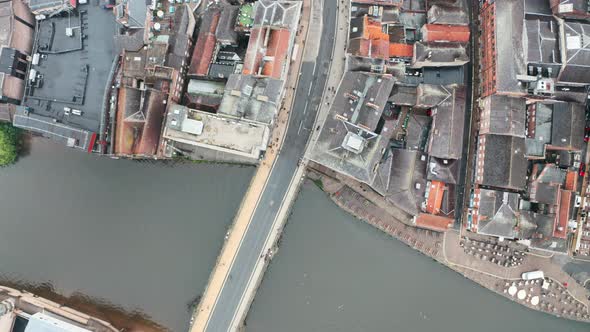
(307, 99)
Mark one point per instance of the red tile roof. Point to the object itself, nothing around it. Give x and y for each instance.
(203, 55)
(571, 180)
(204, 48)
(563, 216)
(435, 197)
(401, 50)
(253, 56)
(278, 46)
(446, 33)
(432, 222)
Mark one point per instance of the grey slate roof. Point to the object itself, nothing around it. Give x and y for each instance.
(504, 163)
(498, 213)
(438, 54)
(417, 132)
(404, 95)
(509, 26)
(503, 115)
(131, 41)
(402, 179)
(137, 11)
(226, 32)
(353, 117)
(567, 130)
(251, 98)
(542, 40)
(444, 170)
(446, 135)
(445, 14)
(576, 43)
(541, 133)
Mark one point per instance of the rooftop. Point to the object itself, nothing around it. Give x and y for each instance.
(444, 170)
(446, 14)
(575, 45)
(439, 54)
(348, 142)
(503, 115)
(251, 98)
(401, 178)
(217, 132)
(446, 138)
(435, 223)
(277, 14)
(504, 164)
(72, 72)
(567, 130)
(498, 213)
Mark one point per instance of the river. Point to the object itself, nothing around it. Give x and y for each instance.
(134, 235)
(143, 237)
(335, 273)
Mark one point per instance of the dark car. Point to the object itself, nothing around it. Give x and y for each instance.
(587, 134)
(582, 169)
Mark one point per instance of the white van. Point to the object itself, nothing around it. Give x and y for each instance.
(533, 275)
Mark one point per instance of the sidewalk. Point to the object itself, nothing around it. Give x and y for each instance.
(336, 70)
(242, 221)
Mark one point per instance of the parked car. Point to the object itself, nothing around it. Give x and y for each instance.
(587, 134)
(582, 169)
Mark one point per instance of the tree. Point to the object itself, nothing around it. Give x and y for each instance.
(9, 144)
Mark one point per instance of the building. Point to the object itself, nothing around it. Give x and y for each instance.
(252, 98)
(16, 41)
(349, 141)
(439, 54)
(445, 33)
(131, 13)
(551, 61)
(502, 115)
(50, 7)
(446, 134)
(501, 162)
(441, 12)
(574, 9)
(66, 93)
(272, 37)
(201, 135)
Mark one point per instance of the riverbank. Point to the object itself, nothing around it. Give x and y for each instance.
(563, 296)
(131, 235)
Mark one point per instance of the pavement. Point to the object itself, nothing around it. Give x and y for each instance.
(229, 289)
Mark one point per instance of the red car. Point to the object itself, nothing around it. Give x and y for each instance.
(582, 169)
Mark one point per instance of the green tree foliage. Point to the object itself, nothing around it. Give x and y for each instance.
(9, 144)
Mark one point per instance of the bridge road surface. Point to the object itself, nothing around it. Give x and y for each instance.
(307, 101)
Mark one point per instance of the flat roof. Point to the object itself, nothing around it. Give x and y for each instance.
(244, 138)
(74, 70)
(251, 98)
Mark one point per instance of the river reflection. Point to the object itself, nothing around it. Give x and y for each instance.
(335, 273)
(136, 236)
